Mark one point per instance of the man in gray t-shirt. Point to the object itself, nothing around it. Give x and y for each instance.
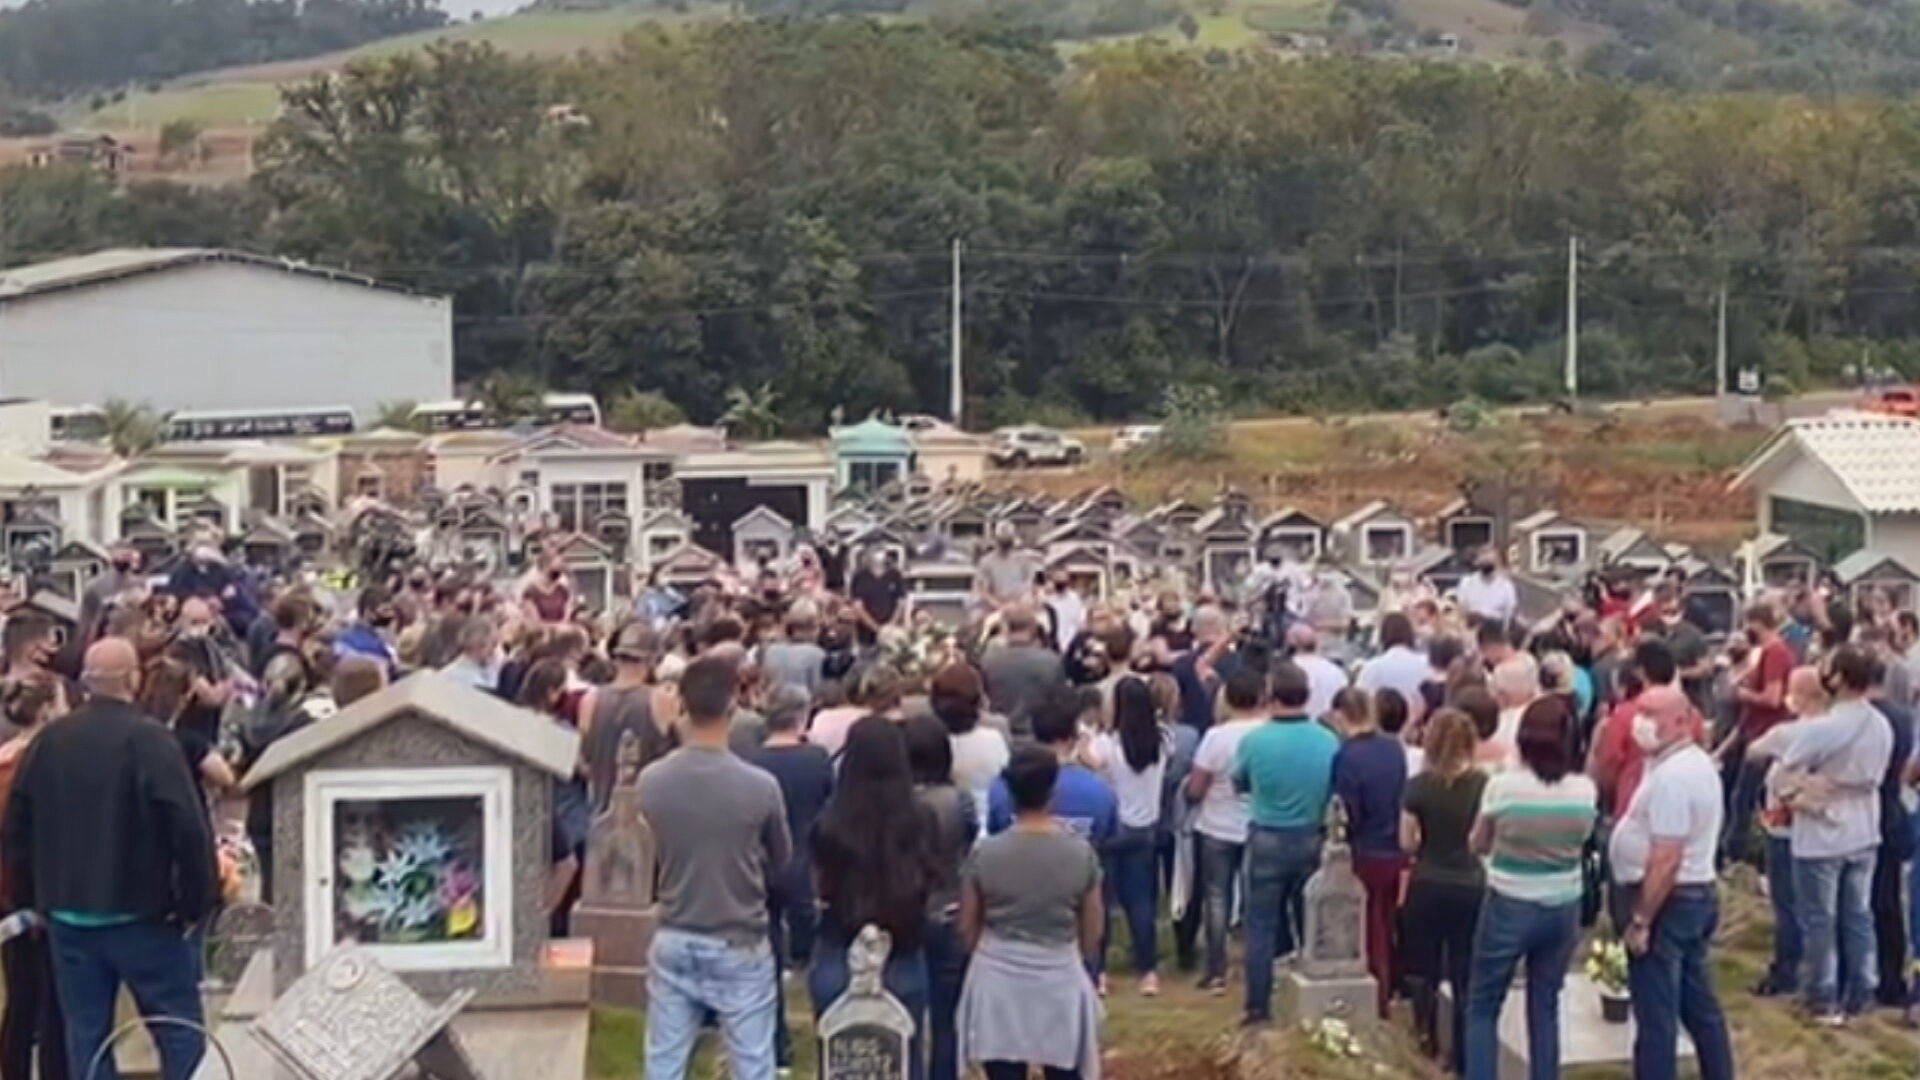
(719, 827)
(797, 661)
(1004, 575)
(1019, 672)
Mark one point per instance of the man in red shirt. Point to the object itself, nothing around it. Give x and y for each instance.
(1762, 696)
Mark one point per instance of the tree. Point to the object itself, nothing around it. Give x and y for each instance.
(1189, 26)
(753, 414)
(510, 397)
(180, 140)
(132, 429)
(398, 415)
(1193, 424)
(643, 410)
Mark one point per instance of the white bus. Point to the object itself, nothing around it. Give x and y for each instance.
(196, 424)
(470, 415)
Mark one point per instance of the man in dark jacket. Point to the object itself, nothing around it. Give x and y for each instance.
(107, 839)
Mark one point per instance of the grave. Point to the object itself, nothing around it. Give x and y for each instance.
(617, 909)
(413, 829)
(866, 1034)
(1587, 1039)
(351, 1019)
(238, 933)
(1331, 980)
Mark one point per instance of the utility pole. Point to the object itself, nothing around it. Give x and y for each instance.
(958, 388)
(1720, 345)
(1573, 318)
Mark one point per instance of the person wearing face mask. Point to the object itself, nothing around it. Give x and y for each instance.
(1665, 902)
(1488, 594)
(549, 597)
(1807, 697)
(878, 592)
(1005, 573)
(368, 635)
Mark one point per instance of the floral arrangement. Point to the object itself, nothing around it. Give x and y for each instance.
(1607, 966)
(920, 651)
(408, 881)
(1334, 1038)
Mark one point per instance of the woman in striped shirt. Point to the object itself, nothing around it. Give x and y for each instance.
(1533, 823)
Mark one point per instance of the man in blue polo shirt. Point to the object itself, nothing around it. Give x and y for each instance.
(1286, 768)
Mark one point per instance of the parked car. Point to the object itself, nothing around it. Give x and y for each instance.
(1895, 401)
(1019, 447)
(1132, 437)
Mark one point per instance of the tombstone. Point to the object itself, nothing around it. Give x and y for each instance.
(1331, 980)
(351, 1019)
(866, 1034)
(617, 909)
(238, 933)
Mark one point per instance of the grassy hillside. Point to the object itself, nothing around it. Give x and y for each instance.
(247, 95)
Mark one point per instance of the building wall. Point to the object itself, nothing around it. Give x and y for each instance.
(1807, 480)
(1897, 535)
(227, 336)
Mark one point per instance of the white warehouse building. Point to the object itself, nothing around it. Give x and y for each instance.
(205, 329)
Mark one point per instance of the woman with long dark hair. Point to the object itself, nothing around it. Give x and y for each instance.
(873, 864)
(1133, 756)
(930, 754)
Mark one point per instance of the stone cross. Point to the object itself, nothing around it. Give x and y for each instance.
(1336, 911)
(866, 1034)
(617, 909)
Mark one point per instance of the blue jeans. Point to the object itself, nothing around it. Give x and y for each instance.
(1219, 877)
(946, 974)
(905, 977)
(1913, 902)
(1279, 862)
(1789, 949)
(690, 974)
(1836, 917)
(158, 966)
(1511, 930)
(1672, 985)
(1131, 876)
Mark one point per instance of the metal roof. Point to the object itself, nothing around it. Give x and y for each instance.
(111, 264)
(1876, 458)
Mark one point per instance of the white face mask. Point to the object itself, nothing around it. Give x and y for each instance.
(1646, 733)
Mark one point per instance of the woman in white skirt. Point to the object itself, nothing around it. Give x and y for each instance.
(1030, 910)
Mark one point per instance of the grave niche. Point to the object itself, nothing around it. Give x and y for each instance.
(617, 909)
(414, 825)
(1331, 980)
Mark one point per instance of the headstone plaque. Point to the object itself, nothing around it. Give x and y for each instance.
(866, 1034)
(348, 1018)
(617, 909)
(237, 934)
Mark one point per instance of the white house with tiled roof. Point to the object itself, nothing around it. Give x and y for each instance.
(1839, 484)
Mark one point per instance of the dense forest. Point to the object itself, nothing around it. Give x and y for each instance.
(770, 205)
(50, 48)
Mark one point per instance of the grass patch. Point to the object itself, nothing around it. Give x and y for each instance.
(213, 105)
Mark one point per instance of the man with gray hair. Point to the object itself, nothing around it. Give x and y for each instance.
(1515, 683)
(478, 664)
(107, 839)
(805, 775)
(1202, 670)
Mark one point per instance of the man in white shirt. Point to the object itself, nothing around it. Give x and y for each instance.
(1400, 667)
(1488, 594)
(1069, 610)
(1223, 818)
(1325, 679)
(1515, 683)
(1839, 759)
(1662, 853)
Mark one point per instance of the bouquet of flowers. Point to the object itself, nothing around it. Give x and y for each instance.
(1607, 966)
(414, 883)
(1334, 1038)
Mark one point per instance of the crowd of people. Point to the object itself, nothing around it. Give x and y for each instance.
(1007, 799)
